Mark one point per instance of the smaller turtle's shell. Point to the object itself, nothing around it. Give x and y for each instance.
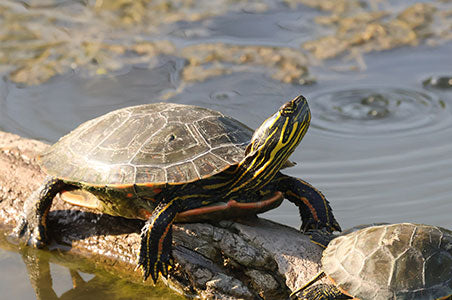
(397, 261)
(148, 144)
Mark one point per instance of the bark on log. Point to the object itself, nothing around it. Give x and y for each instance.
(252, 259)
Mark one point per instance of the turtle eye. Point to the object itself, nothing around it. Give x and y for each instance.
(287, 108)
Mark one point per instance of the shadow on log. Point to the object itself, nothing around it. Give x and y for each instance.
(252, 259)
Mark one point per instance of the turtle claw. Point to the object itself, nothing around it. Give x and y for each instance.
(311, 224)
(151, 265)
(308, 225)
(321, 237)
(155, 253)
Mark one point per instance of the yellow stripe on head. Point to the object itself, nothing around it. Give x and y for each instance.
(272, 144)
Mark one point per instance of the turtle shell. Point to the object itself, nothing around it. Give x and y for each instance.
(397, 261)
(151, 143)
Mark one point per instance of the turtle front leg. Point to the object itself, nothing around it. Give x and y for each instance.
(315, 210)
(156, 241)
(32, 225)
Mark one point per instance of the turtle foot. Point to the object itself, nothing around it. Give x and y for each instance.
(31, 231)
(312, 224)
(320, 237)
(155, 253)
(32, 225)
(152, 266)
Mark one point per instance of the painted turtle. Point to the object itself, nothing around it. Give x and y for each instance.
(396, 261)
(158, 161)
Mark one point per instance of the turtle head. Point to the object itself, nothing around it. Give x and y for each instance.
(278, 136)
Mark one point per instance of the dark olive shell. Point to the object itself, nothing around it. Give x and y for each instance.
(151, 143)
(397, 261)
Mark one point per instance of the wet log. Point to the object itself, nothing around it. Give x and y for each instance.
(241, 259)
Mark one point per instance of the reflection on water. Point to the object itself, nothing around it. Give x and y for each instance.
(52, 275)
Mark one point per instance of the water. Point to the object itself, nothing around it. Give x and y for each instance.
(379, 146)
(56, 276)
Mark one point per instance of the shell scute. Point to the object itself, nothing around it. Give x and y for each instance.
(150, 174)
(408, 273)
(367, 241)
(181, 171)
(208, 164)
(337, 252)
(84, 174)
(438, 268)
(178, 113)
(92, 133)
(397, 238)
(353, 262)
(121, 173)
(213, 131)
(173, 143)
(377, 267)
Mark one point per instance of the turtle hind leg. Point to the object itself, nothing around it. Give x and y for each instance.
(156, 241)
(32, 224)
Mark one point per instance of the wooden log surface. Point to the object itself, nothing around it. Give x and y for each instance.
(240, 259)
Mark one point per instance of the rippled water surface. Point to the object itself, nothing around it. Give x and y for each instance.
(380, 142)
